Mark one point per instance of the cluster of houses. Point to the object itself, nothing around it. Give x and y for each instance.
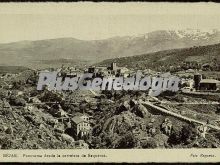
(191, 77)
(195, 81)
(77, 125)
(115, 71)
(206, 84)
(97, 71)
(112, 71)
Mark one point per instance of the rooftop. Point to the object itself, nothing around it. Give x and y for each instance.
(80, 114)
(77, 120)
(209, 81)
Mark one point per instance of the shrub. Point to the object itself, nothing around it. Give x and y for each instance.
(127, 141)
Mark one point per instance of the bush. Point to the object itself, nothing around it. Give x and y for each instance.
(17, 101)
(127, 141)
(188, 133)
(175, 137)
(150, 143)
(5, 143)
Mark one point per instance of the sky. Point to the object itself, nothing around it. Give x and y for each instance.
(94, 21)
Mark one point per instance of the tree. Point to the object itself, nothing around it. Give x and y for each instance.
(127, 141)
(150, 143)
(96, 142)
(175, 137)
(188, 133)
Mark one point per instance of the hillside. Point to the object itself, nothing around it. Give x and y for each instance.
(71, 51)
(31, 119)
(170, 58)
(12, 69)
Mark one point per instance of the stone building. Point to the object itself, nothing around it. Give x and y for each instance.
(81, 125)
(209, 84)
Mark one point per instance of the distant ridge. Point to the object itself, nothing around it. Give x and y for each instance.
(169, 58)
(38, 54)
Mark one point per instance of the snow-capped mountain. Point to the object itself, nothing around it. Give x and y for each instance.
(191, 34)
(194, 34)
(36, 52)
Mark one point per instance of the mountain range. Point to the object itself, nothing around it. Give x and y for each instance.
(71, 51)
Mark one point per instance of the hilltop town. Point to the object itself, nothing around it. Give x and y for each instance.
(86, 119)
